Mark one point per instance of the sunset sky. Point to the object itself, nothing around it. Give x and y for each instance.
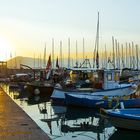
(26, 25)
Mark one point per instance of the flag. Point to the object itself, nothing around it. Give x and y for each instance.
(48, 67)
(57, 65)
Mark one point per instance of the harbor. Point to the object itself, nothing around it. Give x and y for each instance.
(69, 70)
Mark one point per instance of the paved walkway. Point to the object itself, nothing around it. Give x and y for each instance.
(15, 124)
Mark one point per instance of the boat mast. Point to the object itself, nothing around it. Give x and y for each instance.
(44, 59)
(133, 58)
(126, 62)
(68, 52)
(83, 49)
(96, 53)
(40, 60)
(130, 55)
(34, 60)
(52, 53)
(61, 53)
(105, 61)
(119, 56)
(76, 55)
(122, 57)
(113, 52)
(137, 57)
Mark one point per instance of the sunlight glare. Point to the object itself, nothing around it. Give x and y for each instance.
(5, 49)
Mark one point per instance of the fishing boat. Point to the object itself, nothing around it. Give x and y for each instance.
(123, 118)
(18, 80)
(92, 82)
(102, 101)
(42, 87)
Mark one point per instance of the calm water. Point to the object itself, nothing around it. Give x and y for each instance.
(62, 123)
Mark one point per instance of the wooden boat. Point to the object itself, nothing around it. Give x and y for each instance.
(92, 82)
(39, 91)
(123, 118)
(18, 80)
(101, 101)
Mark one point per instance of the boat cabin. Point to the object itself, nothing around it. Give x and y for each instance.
(111, 79)
(20, 77)
(91, 78)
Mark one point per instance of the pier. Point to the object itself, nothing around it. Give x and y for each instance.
(15, 124)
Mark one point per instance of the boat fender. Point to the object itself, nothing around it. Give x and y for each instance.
(105, 97)
(58, 86)
(122, 105)
(36, 91)
(25, 87)
(36, 98)
(109, 103)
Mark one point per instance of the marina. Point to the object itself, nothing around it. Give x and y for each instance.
(69, 70)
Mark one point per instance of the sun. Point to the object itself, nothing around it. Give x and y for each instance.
(5, 49)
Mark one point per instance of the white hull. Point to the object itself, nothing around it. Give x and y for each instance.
(60, 93)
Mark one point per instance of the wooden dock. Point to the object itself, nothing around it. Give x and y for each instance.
(15, 124)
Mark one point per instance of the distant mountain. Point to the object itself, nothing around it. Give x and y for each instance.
(33, 63)
(16, 61)
(38, 63)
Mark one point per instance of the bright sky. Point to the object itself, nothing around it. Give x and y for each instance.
(26, 25)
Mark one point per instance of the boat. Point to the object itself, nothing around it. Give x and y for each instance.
(39, 90)
(91, 101)
(19, 80)
(123, 118)
(93, 82)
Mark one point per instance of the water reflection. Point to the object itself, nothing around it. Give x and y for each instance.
(61, 123)
(125, 134)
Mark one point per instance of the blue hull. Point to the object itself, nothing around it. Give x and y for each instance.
(123, 118)
(72, 100)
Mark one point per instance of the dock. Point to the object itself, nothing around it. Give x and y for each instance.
(15, 124)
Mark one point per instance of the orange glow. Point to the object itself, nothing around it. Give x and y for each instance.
(5, 49)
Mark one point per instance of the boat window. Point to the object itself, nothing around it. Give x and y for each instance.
(109, 76)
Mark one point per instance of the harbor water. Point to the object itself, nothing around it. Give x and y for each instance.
(61, 122)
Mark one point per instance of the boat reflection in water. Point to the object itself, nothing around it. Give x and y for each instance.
(73, 122)
(61, 123)
(125, 135)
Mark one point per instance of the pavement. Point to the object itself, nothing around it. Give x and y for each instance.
(15, 124)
